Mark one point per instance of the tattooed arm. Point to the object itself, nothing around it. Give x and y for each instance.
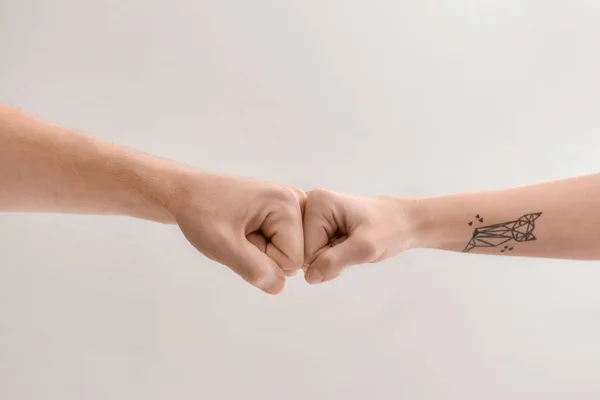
(558, 219)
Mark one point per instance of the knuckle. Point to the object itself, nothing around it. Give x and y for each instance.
(319, 194)
(299, 194)
(284, 197)
(318, 199)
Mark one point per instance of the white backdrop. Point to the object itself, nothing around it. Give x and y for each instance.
(409, 98)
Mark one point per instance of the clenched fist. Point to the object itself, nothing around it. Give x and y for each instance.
(342, 230)
(256, 228)
(252, 227)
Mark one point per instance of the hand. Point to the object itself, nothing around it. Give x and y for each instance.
(342, 230)
(253, 227)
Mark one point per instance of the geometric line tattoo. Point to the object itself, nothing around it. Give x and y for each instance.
(520, 230)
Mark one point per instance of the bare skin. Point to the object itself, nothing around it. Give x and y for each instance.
(47, 168)
(559, 219)
(276, 230)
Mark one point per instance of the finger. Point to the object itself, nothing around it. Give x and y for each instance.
(255, 267)
(319, 226)
(332, 242)
(282, 260)
(260, 242)
(334, 260)
(301, 197)
(285, 245)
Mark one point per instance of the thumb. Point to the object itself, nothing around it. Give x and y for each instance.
(256, 268)
(334, 260)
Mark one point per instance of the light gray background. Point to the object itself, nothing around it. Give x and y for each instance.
(408, 98)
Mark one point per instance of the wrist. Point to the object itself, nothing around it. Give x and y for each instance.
(158, 186)
(433, 224)
(406, 223)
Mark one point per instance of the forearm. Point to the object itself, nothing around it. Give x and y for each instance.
(559, 219)
(46, 168)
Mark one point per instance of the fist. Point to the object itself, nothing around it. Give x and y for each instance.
(342, 230)
(252, 227)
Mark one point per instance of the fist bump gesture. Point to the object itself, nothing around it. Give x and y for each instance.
(265, 232)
